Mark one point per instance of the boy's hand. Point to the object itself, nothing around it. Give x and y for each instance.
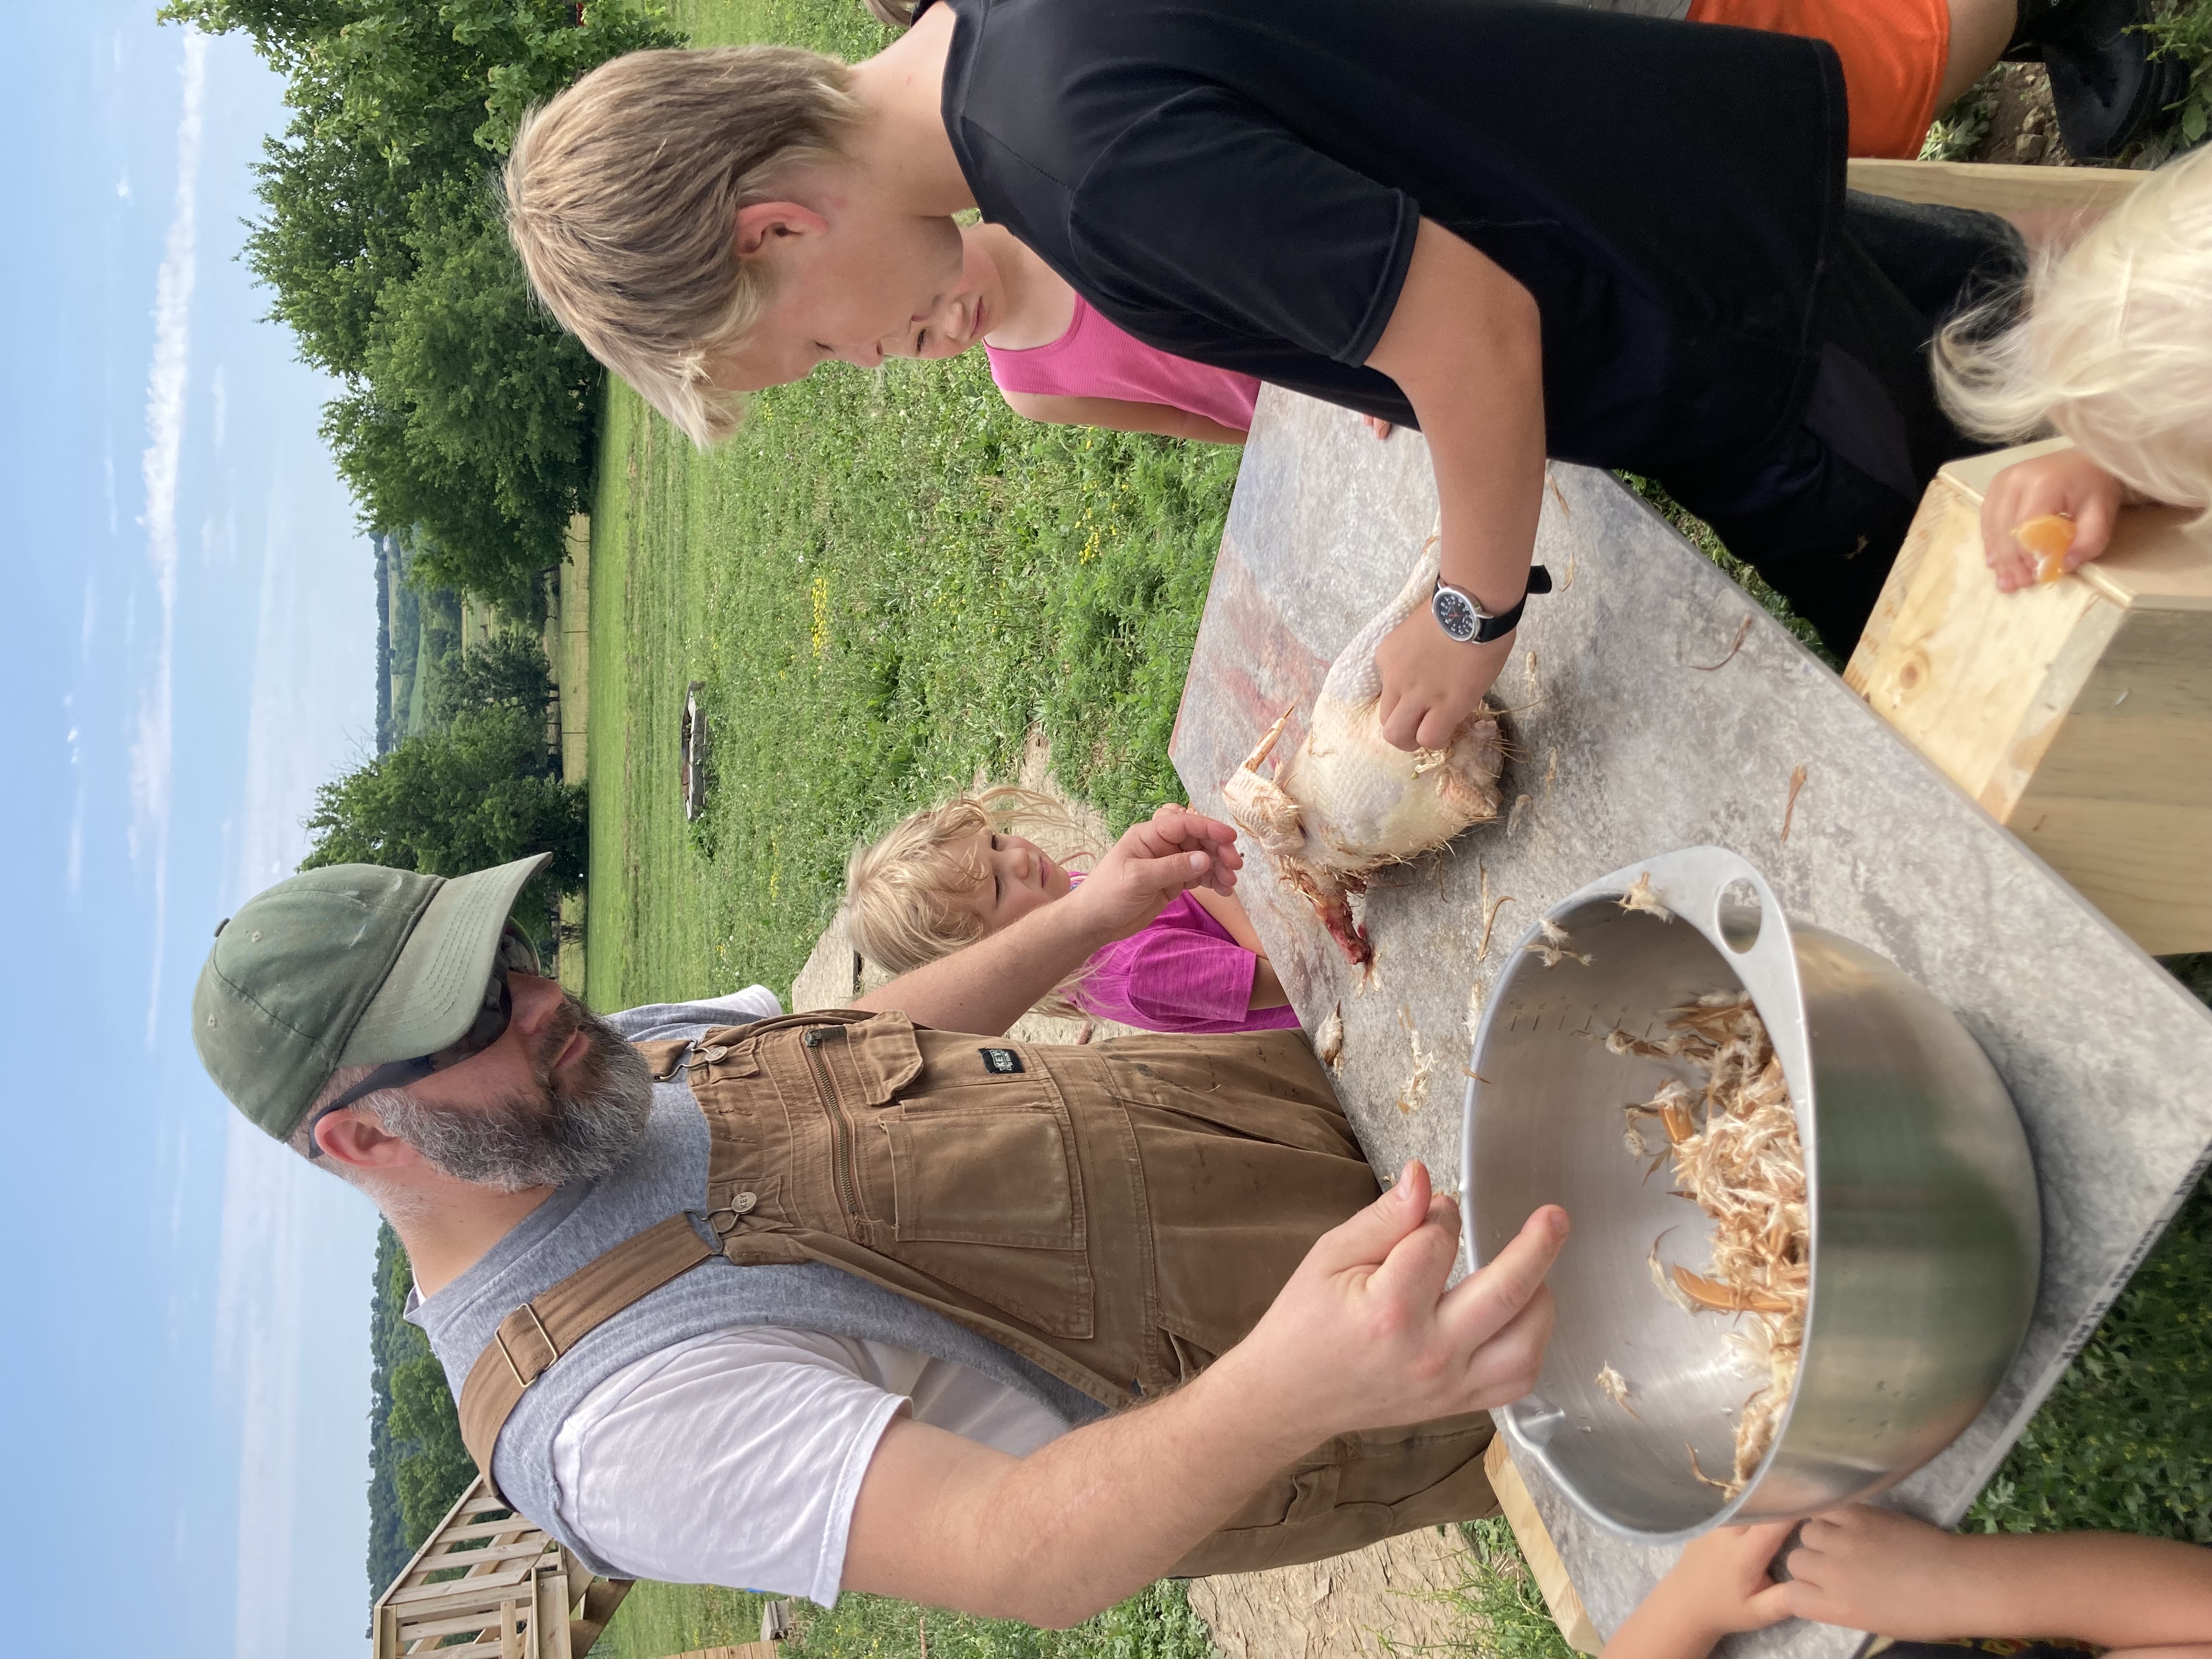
(1366, 1334)
(1431, 681)
(1869, 1568)
(1722, 1585)
(2067, 484)
(1173, 851)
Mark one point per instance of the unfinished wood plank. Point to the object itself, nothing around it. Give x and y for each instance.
(481, 1585)
(1545, 1565)
(555, 1636)
(1993, 186)
(2078, 714)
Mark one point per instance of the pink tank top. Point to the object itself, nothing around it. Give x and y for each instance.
(1095, 359)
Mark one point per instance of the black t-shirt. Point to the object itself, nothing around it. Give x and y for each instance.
(1239, 181)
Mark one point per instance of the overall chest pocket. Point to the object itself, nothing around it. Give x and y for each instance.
(991, 1165)
(987, 1193)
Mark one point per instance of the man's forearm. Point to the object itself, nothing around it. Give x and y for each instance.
(1089, 1518)
(992, 983)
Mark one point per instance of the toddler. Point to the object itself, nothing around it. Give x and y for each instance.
(2055, 1595)
(958, 873)
(2114, 352)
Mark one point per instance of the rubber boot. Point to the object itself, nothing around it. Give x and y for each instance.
(2106, 86)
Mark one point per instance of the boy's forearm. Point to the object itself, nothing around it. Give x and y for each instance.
(1663, 1626)
(1465, 344)
(2113, 1589)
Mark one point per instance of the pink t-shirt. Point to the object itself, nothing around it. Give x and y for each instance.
(1181, 972)
(1095, 359)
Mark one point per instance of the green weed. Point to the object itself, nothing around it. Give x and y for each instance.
(663, 1618)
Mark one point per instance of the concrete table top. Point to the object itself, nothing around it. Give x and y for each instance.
(1654, 706)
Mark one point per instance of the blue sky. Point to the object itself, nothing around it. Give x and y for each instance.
(189, 649)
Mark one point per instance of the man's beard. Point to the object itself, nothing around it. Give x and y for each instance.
(547, 1136)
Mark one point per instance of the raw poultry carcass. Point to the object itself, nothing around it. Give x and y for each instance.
(1346, 803)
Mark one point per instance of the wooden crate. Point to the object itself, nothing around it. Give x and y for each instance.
(2079, 715)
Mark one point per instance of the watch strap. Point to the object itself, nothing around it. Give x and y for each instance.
(1496, 626)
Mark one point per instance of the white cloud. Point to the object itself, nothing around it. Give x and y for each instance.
(151, 750)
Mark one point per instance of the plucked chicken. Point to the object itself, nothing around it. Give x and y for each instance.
(1346, 803)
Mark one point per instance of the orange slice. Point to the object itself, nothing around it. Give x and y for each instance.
(2049, 537)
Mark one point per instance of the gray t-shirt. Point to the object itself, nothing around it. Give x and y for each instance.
(582, 1220)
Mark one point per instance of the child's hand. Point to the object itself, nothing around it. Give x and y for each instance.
(2066, 483)
(1722, 1585)
(1874, 1570)
(1431, 681)
(1378, 426)
(1173, 851)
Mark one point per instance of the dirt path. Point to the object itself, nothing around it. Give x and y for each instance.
(1341, 1609)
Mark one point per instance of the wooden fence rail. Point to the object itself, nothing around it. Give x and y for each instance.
(490, 1576)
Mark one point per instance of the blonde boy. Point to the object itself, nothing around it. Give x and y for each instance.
(1525, 228)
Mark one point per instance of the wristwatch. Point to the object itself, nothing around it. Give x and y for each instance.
(1464, 619)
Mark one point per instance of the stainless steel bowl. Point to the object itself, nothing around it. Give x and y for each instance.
(1925, 1228)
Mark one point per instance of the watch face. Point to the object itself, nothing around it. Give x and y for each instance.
(1455, 613)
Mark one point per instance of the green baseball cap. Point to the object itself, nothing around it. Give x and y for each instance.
(352, 964)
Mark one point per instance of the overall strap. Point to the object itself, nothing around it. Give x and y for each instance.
(546, 1327)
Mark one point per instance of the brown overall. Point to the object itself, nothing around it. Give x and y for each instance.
(1118, 1215)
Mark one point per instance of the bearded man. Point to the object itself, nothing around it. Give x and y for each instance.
(875, 1299)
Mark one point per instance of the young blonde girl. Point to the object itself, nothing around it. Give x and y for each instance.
(2114, 352)
(945, 877)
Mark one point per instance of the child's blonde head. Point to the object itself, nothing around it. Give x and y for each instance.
(622, 195)
(2115, 349)
(897, 889)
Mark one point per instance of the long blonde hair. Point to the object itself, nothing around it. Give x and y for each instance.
(2114, 346)
(895, 887)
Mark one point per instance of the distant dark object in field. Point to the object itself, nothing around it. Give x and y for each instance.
(695, 753)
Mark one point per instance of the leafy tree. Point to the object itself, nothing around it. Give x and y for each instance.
(418, 1464)
(468, 413)
(508, 670)
(439, 1468)
(482, 791)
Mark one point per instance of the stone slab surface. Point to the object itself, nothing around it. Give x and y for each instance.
(1653, 706)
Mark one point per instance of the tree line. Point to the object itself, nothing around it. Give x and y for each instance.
(418, 1465)
(468, 416)
(467, 776)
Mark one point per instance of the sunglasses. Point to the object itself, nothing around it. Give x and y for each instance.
(516, 955)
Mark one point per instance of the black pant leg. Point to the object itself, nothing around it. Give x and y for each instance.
(1822, 512)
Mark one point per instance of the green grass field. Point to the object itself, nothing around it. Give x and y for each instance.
(882, 582)
(881, 585)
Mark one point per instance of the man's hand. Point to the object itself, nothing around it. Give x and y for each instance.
(1399, 1348)
(1173, 851)
(2066, 482)
(1364, 1335)
(1431, 681)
